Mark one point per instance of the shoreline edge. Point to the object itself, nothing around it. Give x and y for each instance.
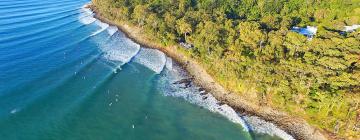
(295, 126)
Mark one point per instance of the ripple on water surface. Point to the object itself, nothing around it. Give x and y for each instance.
(61, 78)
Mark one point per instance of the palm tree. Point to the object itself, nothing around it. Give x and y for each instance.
(183, 27)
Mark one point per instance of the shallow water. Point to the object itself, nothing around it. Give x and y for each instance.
(64, 75)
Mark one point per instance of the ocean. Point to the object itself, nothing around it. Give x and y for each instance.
(65, 75)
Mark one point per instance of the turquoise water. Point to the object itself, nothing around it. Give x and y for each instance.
(64, 75)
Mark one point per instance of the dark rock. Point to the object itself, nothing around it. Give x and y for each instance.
(220, 103)
(204, 98)
(187, 82)
(203, 93)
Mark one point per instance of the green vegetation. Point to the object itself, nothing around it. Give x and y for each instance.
(247, 46)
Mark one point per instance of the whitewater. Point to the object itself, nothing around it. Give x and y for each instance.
(159, 63)
(66, 75)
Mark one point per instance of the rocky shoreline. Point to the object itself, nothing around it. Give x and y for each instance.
(294, 126)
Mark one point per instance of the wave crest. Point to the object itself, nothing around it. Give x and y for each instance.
(87, 16)
(120, 49)
(193, 94)
(153, 59)
(112, 30)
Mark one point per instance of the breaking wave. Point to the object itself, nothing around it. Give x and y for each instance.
(175, 82)
(123, 50)
(193, 94)
(103, 26)
(261, 126)
(169, 63)
(112, 30)
(120, 49)
(153, 59)
(87, 16)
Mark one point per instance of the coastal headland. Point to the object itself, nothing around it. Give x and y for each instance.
(295, 126)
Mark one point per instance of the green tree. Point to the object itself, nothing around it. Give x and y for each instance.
(183, 27)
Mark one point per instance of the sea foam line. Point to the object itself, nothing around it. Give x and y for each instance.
(87, 16)
(153, 59)
(261, 126)
(120, 50)
(157, 61)
(103, 27)
(192, 94)
(112, 30)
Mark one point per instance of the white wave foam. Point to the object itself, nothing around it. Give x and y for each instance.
(87, 16)
(153, 59)
(169, 63)
(193, 95)
(261, 126)
(88, 11)
(112, 30)
(87, 20)
(103, 27)
(120, 49)
(101, 24)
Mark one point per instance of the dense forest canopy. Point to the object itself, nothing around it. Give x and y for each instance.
(248, 46)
